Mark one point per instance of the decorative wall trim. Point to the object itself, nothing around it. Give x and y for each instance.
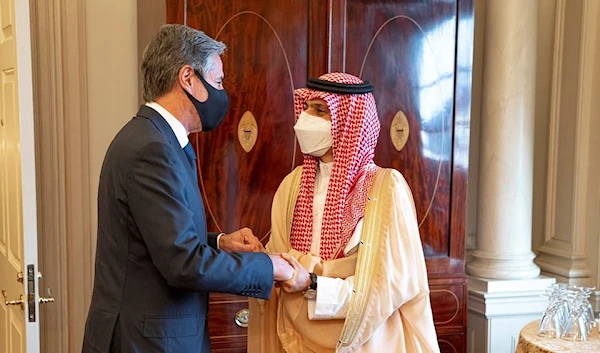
(80, 249)
(593, 232)
(581, 169)
(514, 343)
(564, 250)
(62, 146)
(554, 117)
(471, 340)
(50, 180)
(565, 266)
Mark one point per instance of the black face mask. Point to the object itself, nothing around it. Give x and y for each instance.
(213, 111)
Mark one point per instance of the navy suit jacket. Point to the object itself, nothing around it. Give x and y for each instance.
(155, 260)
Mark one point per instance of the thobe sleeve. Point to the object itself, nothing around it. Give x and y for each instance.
(333, 298)
(334, 294)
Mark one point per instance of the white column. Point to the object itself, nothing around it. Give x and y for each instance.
(504, 212)
(505, 287)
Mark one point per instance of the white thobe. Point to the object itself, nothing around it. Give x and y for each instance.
(333, 294)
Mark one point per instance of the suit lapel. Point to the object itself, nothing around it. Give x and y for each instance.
(165, 129)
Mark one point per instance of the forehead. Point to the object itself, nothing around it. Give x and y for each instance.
(317, 101)
(217, 64)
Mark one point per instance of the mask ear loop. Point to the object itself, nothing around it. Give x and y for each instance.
(202, 81)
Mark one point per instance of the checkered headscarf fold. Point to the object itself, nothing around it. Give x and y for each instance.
(355, 129)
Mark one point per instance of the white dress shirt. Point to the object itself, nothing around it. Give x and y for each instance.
(179, 131)
(176, 125)
(333, 294)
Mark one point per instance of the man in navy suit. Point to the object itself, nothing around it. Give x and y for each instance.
(155, 260)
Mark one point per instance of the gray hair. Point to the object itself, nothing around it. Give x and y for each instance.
(171, 48)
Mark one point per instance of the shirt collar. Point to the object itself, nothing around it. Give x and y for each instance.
(325, 168)
(176, 125)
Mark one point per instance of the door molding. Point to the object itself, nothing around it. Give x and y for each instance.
(62, 160)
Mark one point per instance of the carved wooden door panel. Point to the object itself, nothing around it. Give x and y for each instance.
(243, 161)
(416, 53)
(408, 51)
(265, 59)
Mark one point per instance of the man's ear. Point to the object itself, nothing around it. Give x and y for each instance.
(187, 82)
(184, 77)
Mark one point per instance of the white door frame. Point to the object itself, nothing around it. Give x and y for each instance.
(21, 182)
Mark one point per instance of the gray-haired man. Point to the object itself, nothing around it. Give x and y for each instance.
(155, 260)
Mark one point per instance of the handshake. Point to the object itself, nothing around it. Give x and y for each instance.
(289, 274)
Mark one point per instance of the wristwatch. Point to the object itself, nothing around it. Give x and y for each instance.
(311, 292)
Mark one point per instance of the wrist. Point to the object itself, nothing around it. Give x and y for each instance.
(312, 281)
(311, 288)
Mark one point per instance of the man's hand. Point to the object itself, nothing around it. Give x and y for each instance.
(243, 241)
(301, 280)
(282, 270)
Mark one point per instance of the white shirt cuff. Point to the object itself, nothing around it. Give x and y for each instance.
(333, 298)
(219, 238)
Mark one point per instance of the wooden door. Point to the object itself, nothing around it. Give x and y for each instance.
(19, 323)
(416, 53)
(267, 57)
(408, 51)
(265, 60)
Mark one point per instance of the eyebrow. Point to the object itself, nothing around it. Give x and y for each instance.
(321, 106)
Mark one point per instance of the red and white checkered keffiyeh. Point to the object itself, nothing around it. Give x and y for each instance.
(355, 128)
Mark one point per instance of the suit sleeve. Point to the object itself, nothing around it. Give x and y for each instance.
(212, 239)
(156, 194)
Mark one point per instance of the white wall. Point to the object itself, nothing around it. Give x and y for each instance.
(112, 73)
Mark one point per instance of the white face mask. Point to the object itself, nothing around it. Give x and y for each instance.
(313, 134)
